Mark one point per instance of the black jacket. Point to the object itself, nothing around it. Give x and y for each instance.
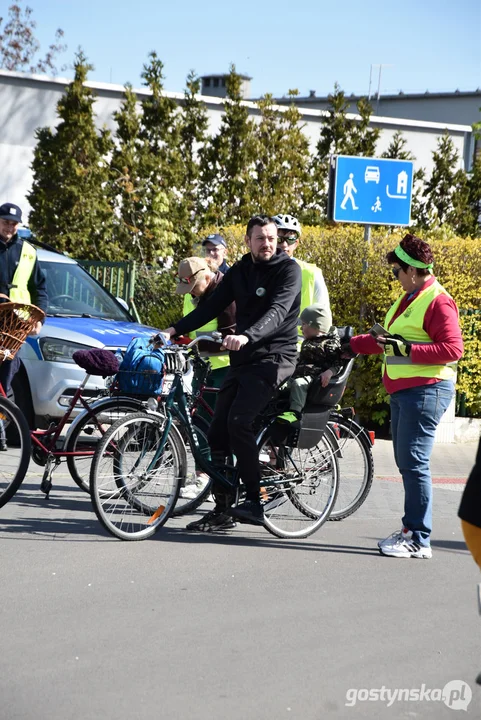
(9, 258)
(470, 508)
(267, 297)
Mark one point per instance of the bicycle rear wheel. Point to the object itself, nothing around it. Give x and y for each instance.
(356, 466)
(88, 432)
(134, 485)
(299, 487)
(15, 450)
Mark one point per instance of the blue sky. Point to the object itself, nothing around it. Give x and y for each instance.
(307, 44)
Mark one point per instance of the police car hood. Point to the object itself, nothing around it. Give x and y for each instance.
(94, 332)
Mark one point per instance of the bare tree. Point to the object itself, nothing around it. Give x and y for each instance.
(19, 46)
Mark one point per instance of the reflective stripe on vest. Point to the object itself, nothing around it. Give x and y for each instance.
(216, 361)
(410, 326)
(308, 283)
(19, 290)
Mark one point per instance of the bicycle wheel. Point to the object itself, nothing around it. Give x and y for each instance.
(15, 449)
(299, 487)
(133, 486)
(89, 430)
(356, 466)
(198, 490)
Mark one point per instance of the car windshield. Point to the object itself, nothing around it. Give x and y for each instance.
(73, 292)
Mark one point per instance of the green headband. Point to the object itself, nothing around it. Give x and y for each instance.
(402, 255)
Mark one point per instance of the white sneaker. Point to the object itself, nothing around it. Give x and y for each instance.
(393, 537)
(194, 486)
(402, 545)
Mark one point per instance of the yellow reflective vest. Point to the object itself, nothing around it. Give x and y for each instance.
(216, 361)
(19, 290)
(410, 326)
(308, 283)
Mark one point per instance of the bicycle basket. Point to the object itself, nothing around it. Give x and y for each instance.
(17, 320)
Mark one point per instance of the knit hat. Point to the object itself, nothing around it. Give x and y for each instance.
(316, 317)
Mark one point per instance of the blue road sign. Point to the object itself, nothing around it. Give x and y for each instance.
(372, 191)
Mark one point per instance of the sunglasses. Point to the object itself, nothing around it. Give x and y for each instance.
(289, 240)
(396, 271)
(188, 280)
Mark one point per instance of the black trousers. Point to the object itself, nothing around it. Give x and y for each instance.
(245, 392)
(7, 370)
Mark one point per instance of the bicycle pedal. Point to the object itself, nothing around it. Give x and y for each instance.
(46, 486)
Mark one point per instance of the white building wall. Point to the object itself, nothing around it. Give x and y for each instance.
(29, 102)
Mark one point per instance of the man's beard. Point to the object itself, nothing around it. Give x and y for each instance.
(257, 258)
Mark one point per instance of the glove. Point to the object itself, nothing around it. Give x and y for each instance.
(395, 345)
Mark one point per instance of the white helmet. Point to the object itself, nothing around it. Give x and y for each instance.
(288, 222)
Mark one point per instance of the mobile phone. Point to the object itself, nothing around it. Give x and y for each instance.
(378, 331)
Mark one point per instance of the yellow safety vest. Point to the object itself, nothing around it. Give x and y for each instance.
(410, 326)
(19, 292)
(308, 283)
(216, 361)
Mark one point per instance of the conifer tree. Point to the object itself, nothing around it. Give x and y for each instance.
(281, 158)
(446, 190)
(193, 133)
(70, 207)
(397, 150)
(340, 135)
(125, 182)
(149, 215)
(227, 190)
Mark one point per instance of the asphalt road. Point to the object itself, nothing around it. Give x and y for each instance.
(240, 627)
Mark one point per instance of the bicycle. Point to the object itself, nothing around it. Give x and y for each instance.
(350, 441)
(48, 449)
(135, 478)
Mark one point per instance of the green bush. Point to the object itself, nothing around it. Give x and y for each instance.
(362, 288)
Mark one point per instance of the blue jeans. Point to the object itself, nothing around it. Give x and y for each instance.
(415, 414)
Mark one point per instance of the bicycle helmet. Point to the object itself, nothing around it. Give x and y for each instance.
(288, 222)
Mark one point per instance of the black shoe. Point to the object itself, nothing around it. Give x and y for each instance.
(249, 512)
(213, 521)
(3, 446)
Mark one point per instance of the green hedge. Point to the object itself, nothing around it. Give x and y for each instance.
(362, 288)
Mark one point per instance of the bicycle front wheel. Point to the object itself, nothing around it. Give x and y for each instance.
(298, 487)
(356, 466)
(136, 476)
(89, 430)
(15, 449)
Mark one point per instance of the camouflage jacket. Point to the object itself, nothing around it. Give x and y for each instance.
(320, 353)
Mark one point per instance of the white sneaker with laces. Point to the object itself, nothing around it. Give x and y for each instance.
(402, 545)
(392, 537)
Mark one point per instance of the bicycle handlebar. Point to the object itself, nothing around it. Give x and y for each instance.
(160, 340)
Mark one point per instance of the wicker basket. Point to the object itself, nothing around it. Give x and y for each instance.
(17, 320)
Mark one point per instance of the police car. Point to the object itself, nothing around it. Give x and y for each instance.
(81, 314)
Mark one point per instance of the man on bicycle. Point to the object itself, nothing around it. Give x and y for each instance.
(266, 287)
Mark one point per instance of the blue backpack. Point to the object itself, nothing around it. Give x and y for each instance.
(142, 369)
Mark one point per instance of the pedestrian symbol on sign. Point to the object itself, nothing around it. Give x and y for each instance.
(348, 189)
